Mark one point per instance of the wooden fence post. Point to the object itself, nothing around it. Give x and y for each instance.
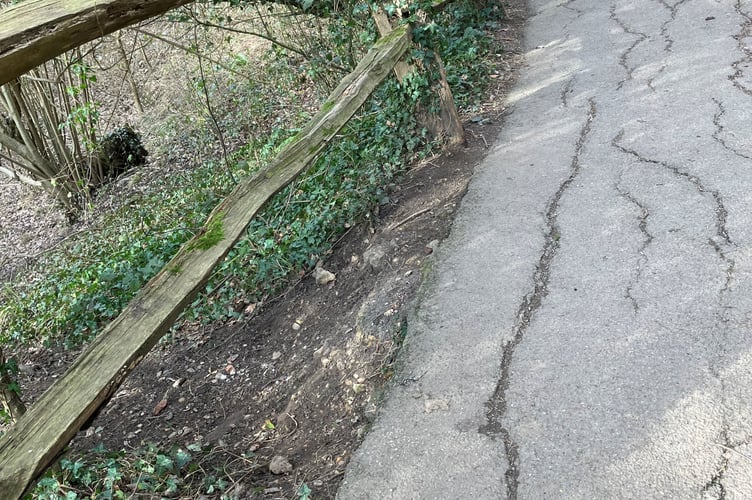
(447, 124)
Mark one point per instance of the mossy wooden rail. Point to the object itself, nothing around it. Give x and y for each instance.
(35, 31)
(41, 434)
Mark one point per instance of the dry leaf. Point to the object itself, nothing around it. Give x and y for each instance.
(160, 406)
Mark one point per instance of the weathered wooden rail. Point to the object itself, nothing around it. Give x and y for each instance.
(41, 434)
(34, 31)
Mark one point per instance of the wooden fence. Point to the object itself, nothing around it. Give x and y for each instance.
(41, 434)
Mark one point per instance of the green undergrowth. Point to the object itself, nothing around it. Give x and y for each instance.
(148, 471)
(86, 282)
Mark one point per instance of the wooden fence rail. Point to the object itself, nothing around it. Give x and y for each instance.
(34, 31)
(41, 434)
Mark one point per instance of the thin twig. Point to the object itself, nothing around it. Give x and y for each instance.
(189, 50)
(409, 218)
(735, 451)
(210, 110)
(481, 136)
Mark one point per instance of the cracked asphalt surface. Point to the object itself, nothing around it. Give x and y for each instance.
(587, 329)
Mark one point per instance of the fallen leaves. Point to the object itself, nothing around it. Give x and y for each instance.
(160, 406)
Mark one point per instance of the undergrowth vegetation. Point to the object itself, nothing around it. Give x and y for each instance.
(86, 281)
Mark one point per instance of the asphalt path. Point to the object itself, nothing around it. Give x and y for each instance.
(586, 330)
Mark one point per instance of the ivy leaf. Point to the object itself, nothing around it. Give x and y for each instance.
(304, 492)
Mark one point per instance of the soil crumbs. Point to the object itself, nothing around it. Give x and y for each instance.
(278, 401)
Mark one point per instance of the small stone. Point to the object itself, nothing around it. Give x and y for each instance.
(413, 261)
(432, 246)
(432, 405)
(280, 465)
(374, 257)
(322, 276)
(325, 362)
(296, 326)
(358, 388)
(276, 355)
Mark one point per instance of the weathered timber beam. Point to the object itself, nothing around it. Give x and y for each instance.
(35, 31)
(40, 435)
(384, 26)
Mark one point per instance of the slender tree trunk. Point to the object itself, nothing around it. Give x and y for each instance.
(9, 399)
(126, 60)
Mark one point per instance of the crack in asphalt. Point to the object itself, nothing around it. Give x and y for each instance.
(720, 210)
(745, 32)
(730, 264)
(673, 9)
(568, 5)
(719, 129)
(641, 37)
(715, 485)
(647, 239)
(651, 80)
(568, 86)
(531, 302)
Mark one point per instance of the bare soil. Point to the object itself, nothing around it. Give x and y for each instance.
(301, 376)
